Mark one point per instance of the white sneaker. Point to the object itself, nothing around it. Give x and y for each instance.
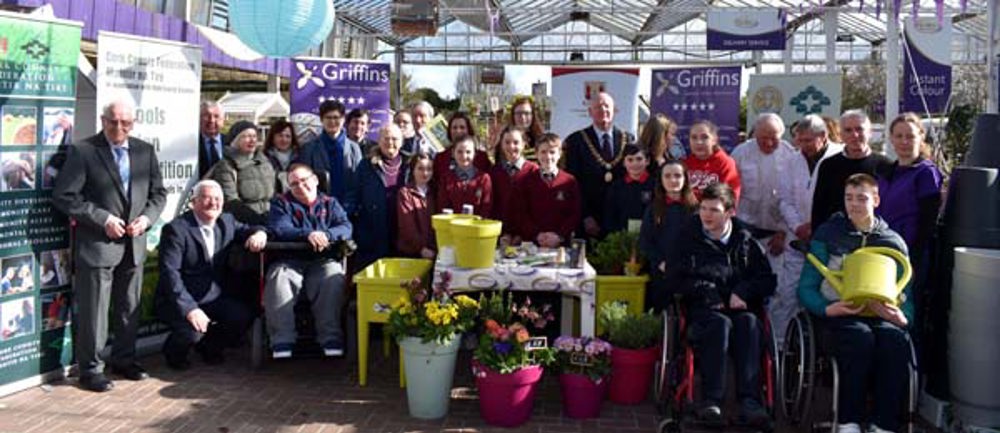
(851, 427)
(872, 428)
(281, 351)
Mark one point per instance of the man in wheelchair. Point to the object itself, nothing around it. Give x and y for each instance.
(723, 277)
(305, 214)
(869, 341)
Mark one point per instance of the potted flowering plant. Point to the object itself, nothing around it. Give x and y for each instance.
(585, 363)
(427, 322)
(508, 363)
(636, 339)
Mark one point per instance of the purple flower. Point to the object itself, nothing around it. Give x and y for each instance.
(502, 347)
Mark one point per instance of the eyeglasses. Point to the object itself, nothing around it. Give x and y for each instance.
(300, 182)
(119, 122)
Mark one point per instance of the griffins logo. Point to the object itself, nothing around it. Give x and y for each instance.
(768, 99)
(318, 74)
(591, 89)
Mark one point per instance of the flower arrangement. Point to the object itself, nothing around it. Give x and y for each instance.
(587, 356)
(506, 344)
(431, 313)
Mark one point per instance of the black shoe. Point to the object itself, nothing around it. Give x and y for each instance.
(710, 414)
(753, 414)
(177, 362)
(96, 382)
(211, 356)
(131, 372)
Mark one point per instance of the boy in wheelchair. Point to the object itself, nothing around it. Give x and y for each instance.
(869, 341)
(723, 278)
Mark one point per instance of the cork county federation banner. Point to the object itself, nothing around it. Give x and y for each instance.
(792, 96)
(38, 68)
(687, 95)
(356, 84)
(572, 89)
(926, 65)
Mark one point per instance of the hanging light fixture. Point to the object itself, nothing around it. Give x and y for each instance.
(281, 28)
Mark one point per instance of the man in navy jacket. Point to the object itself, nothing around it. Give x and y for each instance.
(189, 296)
(305, 214)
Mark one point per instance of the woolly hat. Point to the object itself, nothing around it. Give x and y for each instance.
(239, 128)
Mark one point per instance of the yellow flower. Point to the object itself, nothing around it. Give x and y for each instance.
(402, 305)
(466, 302)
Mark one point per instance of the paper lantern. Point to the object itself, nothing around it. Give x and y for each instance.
(281, 28)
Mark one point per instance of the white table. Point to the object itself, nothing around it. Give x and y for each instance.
(570, 282)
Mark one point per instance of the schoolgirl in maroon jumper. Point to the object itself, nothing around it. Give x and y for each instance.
(414, 206)
(464, 184)
(545, 205)
(510, 167)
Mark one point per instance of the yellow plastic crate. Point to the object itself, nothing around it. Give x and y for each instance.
(381, 283)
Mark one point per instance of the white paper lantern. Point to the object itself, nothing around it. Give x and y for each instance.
(281, 28)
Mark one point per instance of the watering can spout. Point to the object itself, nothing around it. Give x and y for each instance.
(835, 278)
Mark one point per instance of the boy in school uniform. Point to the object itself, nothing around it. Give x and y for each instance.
(628, 196)
(546, 205)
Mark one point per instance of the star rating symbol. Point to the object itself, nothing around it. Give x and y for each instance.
(350, 100)
(361, 100)
(341, 99)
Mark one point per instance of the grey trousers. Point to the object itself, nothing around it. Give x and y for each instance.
(323, 281)
(98, 290)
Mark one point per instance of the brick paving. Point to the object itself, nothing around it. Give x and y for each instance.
(300, 395)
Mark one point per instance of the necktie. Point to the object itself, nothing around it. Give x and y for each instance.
(511, 169)
(209, 235)
(121, 158)
(213, 151)
(606, 151)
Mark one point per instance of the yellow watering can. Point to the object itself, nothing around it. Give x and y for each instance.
(868, 273)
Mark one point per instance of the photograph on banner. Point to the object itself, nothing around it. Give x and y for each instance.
(926, 65)
(739, 29)
(162, 79)
(356, 84)
(19, 125)
(18, 171)
(51, 159)
(436, 133)
(57, 126)
(792, 96)
(17, 317)
(572, 89)
(17, 274)
(55, 270)
(55, 310)
(687, 95)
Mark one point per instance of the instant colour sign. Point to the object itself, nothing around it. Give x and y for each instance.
(37, 91)
(926, 65)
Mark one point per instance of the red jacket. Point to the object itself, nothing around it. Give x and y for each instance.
(503, 185)
(538, 206)
(413, 216)
(453, 193)
(719, 167)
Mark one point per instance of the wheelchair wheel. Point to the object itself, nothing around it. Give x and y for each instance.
(258, 343)
(773, 381)
(797, 365)
(669, 425)
(660, 372)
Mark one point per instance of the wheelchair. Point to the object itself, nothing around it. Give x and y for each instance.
(804, 365)
(259, 341)
(674, 377)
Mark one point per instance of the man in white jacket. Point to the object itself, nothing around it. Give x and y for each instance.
(766, 163)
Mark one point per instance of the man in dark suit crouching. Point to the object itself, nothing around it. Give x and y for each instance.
(189, 296)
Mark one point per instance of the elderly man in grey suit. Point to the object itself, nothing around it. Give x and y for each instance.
(111, 185)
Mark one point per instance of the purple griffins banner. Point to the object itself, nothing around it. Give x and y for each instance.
(356, 84)
(687, 95)
(926, 66)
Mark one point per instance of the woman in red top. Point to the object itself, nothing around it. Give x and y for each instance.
(511, 165)
(708, 163)
(414, 206)
(464, 184)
